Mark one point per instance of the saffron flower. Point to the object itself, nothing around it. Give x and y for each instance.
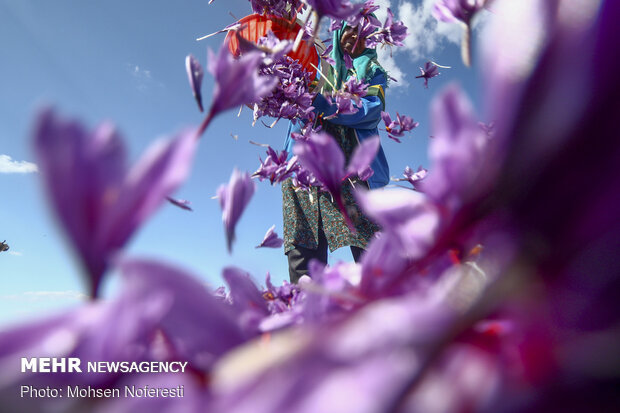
(98, 199)
(195, 74)
(276, 167)
(271, 239)
(413, 178)
(237, 82)
(392, 33)
(397, 128)
(234, 198)
(430, 71)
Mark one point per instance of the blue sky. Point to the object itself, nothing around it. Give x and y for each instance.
(123, 61)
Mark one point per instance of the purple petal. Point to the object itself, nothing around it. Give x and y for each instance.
(391, 208)
(160, 171)
(195, 74)
(181, 203)
(247, 300)
(236, 81)
(363, 155)
(271, 239)
(199, 326)
(456, 150)
(234, 198)
(322, 156)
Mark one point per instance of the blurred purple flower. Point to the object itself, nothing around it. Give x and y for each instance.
(195, 74)
(323, 158)
(363, 19)
(234, 198)
(237, 82)
(430, 70)
(451, 11)
(362, 157)
(463, 11)
(161, 314)
(457, 150)
(414, 178)
(197, 325)
(281, 298)
(271, 239)
(336, 9)
(98, 199)
(247, 301)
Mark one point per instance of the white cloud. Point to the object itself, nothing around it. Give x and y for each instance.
(16, 253)
(141, 73)
(386, 58)
(143, 77)
(426, 34)
(10, 166)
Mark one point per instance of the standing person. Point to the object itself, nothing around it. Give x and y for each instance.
(312, 221)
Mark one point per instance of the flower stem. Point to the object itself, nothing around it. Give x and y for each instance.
(466, 46)
(205, 123)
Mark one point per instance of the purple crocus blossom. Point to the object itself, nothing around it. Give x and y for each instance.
(430, 70)
(397, 128)
(271, 239)
(414, 178)
(98, 199)
(234, 198)
(237, 82)
(391, 33)
(195, 74)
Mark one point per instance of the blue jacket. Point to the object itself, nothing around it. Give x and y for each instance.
(364, 122)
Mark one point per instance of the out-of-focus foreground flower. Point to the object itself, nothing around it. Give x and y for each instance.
(492, 288)
(98, 199)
